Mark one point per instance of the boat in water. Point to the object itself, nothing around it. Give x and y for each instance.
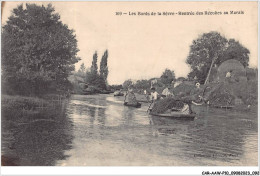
(222, 107)
(118, 93)
(138, 105)
(175, 115)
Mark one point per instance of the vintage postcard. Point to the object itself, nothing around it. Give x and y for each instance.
(129, 84)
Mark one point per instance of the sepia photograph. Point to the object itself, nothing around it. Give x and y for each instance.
(129, 83)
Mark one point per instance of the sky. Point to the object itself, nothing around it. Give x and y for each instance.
(142, 47)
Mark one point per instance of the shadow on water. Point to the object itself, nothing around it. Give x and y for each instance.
(41, 141)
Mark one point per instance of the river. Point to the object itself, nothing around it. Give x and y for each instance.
(97, 130)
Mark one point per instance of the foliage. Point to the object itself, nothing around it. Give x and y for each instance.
(77, 89)
(82, 68)
(202, 51)
(38, 51)
(142, 84)
(167, 77)
(92, 90)
(127, 83)
(251, 73)
(94, 68)
(17, 106)
(20, 102)
(95, 79)
(115, 87)
(213, 47)
(82, 71)
(92, 74)
(99, 83)
(234, 51)
(103, 66)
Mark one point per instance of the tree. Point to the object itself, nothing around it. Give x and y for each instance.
(115, 87)
(82, 71)
(127, 83)
(92, 74)
(203, 53)
(211, 48)
(167, 77)
(103, 66)
(235, 51)
(93, 78)
(82, 68)
(94, 68)
(38, 51)
(142, 84)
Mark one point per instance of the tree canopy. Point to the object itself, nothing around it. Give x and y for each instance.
(103, 66)
(167, 77)
(38, 51)
(127, 83)
(94, 68)
(81, 71)
(142, 84)
(92, 74)
(234, 51)
(82, 68)
(212, 48)
(95, 78)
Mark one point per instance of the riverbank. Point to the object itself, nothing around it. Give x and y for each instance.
(32, 128)
(22, 108)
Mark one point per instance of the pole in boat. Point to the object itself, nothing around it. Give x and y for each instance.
(213, 60)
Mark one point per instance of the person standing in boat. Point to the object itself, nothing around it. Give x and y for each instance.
(130, 98)
(154, 98)
(154, 94)
(196, 93)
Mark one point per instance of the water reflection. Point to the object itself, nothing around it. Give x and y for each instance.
(41, 142)
(101, 116)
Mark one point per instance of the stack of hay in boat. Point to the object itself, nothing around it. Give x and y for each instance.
(220, 96)
(165, 104)
(170, 103)
(184, 88)
(239, 89)
(182, 96)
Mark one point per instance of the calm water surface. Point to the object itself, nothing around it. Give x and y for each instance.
(98, 130)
